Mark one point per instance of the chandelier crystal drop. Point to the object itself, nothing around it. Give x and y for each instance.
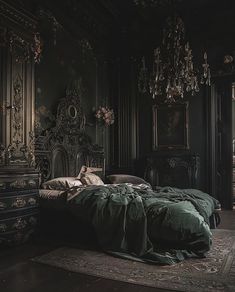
(173, 71)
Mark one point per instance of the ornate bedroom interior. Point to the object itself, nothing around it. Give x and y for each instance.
(140, 92)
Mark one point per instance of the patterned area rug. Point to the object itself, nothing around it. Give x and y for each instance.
(215, 273)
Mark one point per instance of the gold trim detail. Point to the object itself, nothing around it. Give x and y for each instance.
(19, 203)
(32, 183)
(18, 184)
(32, 201)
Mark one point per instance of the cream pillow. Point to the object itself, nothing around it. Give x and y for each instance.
(91, 179)
(52, 194)
(88, 169)
(61, 183)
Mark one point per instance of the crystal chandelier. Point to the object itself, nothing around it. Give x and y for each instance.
(173, 69)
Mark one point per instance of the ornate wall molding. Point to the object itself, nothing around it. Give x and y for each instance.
(66, 141)
(19, 17)
(17, 123)
(18, 153)
(18, 31)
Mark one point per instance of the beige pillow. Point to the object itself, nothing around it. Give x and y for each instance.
(91, 179)
(52, 194)
(61, 183)
(88, 169)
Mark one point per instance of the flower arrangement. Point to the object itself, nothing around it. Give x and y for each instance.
(104, 116)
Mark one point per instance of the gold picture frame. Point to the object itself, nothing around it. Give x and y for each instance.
(170, 126)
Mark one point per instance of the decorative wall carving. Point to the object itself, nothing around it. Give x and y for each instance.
(21, 45)
(67, 141)
(22, 49)
(16, 16)
(175, 169)
(17, 108)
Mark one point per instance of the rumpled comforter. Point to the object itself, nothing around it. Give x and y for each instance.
(163, 226)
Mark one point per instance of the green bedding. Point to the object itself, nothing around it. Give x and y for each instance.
(163, 226)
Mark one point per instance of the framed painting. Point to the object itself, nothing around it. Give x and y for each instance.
(170, 126)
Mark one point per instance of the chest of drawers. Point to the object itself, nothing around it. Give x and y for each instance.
(19, 209)
(175, 169)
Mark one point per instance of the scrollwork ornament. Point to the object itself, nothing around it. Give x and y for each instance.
(172, 163)
(19, 203)
(22, 50)
(3, 227)
(3, 186)
(31, 155)
(18, 184)
(32, 201)
(3, 206)
(20, 224)
(32, 183)
(37, 47)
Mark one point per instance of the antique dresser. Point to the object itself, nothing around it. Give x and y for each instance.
(173, 168)
(19, 212)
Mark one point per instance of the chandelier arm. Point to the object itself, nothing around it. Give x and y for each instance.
(174, 72)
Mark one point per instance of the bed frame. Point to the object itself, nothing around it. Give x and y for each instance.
(62, 150)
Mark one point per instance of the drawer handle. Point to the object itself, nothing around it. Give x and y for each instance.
(3, 227)
(3, 205)
(32, 183)
(2, 186)
(19, 203)
(18, 184)
(20, 224)
(32, 201)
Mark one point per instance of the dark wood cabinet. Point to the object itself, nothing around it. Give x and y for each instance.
(18, 178)
(233, 179)
(19, 210)
(175, 169)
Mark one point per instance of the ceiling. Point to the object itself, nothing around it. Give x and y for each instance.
(208, 23)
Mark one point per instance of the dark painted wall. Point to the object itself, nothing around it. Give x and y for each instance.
(65, 62)
(113, 80)
(217, 43)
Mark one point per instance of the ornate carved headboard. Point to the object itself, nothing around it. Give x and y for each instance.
(64, 148)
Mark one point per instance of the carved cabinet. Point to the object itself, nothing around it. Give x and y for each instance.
(18, 179)
(171, 168)
(17, 97)
(19, 212)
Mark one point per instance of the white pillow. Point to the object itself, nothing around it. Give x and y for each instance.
(61, 183)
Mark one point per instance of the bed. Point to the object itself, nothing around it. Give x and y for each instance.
(121, 214)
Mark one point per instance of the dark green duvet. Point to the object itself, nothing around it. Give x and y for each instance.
(163, 226)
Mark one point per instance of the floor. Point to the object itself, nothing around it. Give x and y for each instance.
(18, 273)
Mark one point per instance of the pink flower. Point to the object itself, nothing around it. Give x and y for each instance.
(105, 116)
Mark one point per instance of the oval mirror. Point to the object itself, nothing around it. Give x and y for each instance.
(72, 111)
